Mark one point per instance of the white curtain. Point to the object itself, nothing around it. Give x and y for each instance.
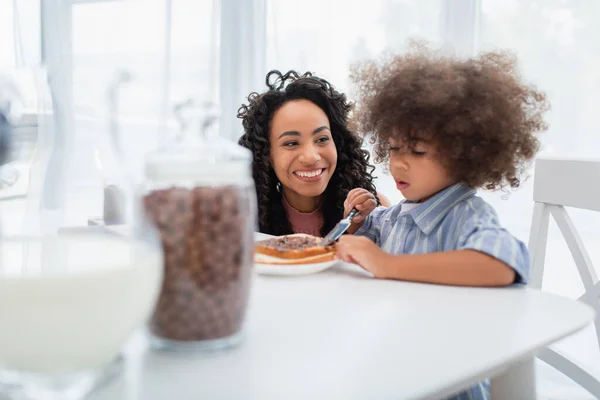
(326, 36)
(243, 55)
(459, 26)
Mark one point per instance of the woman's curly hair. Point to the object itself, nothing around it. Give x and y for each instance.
(352, 171)
(478, 113)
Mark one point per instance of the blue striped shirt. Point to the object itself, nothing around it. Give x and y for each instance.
(453, 219)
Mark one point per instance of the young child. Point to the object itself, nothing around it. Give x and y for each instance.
(447, 127)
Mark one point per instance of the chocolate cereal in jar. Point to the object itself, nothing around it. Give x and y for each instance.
(200, 195)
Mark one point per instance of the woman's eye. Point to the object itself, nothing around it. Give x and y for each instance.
(290, 144)
(418, 153)
(323, 139)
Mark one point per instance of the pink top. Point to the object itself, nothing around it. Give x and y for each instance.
(309, 223)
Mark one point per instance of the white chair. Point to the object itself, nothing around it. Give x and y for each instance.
(559, 183)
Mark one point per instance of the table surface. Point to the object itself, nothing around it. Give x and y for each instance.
(341, 334)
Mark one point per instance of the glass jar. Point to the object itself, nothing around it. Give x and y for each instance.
(69, 302)
(200, 194)
(71, 295)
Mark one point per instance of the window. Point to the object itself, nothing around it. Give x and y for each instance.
(21, 83)
(7, 42)
(171, 49)
(327, 36)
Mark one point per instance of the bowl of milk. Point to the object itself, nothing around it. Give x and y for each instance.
(68, 304)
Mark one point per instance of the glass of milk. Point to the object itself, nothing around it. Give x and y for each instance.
(68, 303)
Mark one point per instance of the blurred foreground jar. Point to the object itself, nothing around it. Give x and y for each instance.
(200, 194)
(71, 295)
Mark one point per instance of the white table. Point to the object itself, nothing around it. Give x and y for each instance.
(340, 334)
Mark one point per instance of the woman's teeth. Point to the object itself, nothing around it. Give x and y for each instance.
(309, 174)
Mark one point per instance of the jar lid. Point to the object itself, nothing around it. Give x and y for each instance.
(198, 154)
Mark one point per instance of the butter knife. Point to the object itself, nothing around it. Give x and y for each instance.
(339, 229)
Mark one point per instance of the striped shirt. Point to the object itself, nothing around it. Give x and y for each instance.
(453, 219)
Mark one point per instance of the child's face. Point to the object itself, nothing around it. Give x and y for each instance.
(302, 152)
(418, 173)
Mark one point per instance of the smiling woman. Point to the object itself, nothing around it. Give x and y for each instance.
(306, 160)
(303, 157)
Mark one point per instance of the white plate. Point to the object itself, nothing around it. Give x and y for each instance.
(261, 236)
(293, 269)
(289, 270)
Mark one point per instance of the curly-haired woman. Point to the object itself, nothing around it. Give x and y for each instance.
(447, 127)
(306, 160)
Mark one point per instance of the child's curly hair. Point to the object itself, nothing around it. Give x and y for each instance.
(352, 171)
(478, 113)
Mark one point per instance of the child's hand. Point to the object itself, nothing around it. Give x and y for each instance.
(360, 250)
(361, 199)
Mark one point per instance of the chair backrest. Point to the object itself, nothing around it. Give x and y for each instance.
(560, 182)
(567, 182)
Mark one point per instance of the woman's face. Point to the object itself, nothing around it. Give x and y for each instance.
(302, 153)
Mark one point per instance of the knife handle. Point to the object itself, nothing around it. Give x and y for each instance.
(353, 213)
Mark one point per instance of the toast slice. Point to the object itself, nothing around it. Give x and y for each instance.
(264, 259)
(297, 248)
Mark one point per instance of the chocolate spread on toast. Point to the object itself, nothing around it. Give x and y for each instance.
(286, 243)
